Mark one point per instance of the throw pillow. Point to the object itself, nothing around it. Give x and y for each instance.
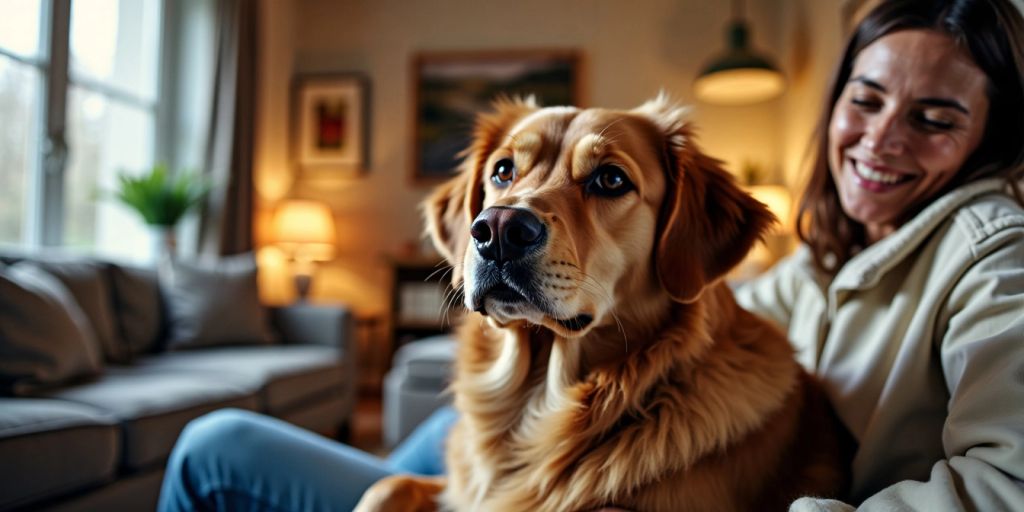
(45, 338)
(214, 304)
(139, 308)
(89, 284)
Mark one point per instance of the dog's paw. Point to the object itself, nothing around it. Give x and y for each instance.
(402, 493)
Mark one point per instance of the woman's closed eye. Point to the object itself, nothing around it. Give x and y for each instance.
(866, 103)
(933, 122)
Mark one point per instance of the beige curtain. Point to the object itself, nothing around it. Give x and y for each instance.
(226, 225)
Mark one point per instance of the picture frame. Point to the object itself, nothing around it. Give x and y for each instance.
(450, 88)
(330, 123)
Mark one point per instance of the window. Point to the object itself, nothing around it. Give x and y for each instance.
(21, 86)
(81, 75)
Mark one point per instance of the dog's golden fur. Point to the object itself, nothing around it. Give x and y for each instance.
(628, 376)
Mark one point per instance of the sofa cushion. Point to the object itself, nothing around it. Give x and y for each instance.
(45, 338)
(214, 304)
(38, 439)
(89, 284)
(416, 385)
(427, 363)
(154, 406)
(139, 307)
(131, 492)
(288, 374)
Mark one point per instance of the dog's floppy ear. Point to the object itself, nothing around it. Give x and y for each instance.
(707, 223)
(451, 208)
(448, 216)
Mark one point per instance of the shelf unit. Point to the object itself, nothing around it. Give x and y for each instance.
(417, 298)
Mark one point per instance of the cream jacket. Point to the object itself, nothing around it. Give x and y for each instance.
(920, 342)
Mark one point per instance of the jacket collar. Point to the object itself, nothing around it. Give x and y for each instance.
(868, 267)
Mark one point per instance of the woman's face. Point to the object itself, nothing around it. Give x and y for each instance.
(912, 112)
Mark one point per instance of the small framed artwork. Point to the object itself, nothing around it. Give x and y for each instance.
(330, 122)
(451, 87)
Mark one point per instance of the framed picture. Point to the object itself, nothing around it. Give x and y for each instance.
(450, 88)
(330, 122)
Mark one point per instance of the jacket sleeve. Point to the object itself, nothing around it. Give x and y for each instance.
(773, 293)
(982, 354)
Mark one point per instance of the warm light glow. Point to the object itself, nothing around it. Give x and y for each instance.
(740, 86)
(779, 201)
(305, 229)
(275, 276)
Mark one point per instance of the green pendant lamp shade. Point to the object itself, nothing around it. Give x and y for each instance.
(740, 77)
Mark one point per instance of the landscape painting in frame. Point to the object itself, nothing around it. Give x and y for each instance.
(331, 126)
(451, 88)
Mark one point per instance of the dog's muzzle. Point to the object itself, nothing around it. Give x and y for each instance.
(509, 242)
(506, 240)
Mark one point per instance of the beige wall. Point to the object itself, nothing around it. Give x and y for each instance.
(632, 49)
(812, 38)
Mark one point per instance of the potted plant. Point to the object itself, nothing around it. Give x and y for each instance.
(162, 199)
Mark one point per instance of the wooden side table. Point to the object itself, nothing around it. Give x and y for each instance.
(373, 358)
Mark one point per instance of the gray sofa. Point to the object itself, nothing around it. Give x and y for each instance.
(101, 442)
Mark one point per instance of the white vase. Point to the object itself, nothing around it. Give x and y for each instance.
(165, 243)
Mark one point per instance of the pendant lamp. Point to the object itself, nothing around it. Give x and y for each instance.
(740, 76)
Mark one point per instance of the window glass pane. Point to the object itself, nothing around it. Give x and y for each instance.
(105, 138)
(117, 43)
(20, 89)
(19, 27)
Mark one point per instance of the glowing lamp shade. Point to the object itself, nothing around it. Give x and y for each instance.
(740, 76)
(305, 229)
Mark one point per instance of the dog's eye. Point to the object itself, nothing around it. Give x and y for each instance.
(609, 181)
(504, 172)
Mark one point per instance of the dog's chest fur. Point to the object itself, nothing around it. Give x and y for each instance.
(540, 431)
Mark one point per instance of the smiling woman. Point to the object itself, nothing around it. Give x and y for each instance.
(927, 97)
(913, 111)
(906, 300)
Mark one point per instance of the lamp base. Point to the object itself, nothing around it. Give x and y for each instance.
(303, 282)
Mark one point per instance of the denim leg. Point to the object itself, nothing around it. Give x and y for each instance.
(422, 452)
(242, 461)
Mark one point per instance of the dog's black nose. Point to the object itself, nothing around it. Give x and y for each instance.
(504, 234)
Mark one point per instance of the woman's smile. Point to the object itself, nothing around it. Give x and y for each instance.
(878, 178)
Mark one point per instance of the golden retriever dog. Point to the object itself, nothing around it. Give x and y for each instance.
(605, 362)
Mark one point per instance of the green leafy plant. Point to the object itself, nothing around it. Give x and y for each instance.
(161, 198)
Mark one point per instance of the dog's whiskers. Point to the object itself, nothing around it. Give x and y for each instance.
(605, 129)
(595, 285)
(439, 268)
(449, 302)
(451, 293)
(446, 301)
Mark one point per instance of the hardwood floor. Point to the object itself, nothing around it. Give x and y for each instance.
(367, 424)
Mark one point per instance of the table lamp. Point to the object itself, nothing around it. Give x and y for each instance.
(305, 231)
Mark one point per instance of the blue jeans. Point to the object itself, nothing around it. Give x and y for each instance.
(239, 460)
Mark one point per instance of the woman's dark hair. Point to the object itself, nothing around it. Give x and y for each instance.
(992, 33)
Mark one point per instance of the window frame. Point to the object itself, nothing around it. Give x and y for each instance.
(43, 221)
